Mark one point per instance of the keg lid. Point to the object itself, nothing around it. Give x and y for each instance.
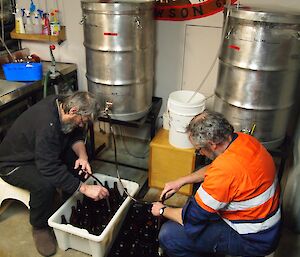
(265, 14)
(117, 6)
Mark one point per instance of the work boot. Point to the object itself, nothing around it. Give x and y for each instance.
(44, 240)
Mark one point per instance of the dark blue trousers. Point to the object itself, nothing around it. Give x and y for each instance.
(216, 240)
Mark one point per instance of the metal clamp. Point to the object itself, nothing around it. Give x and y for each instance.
(83, 20)
(229, 33)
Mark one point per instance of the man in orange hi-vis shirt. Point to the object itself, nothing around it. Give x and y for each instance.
(236, 210)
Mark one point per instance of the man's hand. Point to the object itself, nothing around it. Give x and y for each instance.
(171, 188)
(96, 192)
(84, 167)
(169, 213)
(156, 207)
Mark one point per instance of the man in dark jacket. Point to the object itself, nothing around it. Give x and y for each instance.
(32, 157)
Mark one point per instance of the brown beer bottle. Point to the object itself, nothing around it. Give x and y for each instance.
(63, 219)
(74, 218)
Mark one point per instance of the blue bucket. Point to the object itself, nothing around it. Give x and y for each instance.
(23, 71)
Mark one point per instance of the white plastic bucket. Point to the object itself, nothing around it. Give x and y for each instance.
(180, 114)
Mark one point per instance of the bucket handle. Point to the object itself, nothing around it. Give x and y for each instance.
(183, 114)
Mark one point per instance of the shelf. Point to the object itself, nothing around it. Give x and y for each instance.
(39, 37)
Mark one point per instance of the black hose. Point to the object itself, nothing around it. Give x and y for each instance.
(117, 167)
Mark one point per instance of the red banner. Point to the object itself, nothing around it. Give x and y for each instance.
(185, 10)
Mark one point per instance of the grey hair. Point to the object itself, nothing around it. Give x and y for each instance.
(84, 101)
(209, 126)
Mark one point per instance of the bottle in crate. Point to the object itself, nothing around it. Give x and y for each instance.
(74, 217)
(63, 220)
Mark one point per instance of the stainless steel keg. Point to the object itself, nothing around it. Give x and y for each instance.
(258, 72)
(119, 42)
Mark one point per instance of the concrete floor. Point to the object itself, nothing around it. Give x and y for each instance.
(15, 230)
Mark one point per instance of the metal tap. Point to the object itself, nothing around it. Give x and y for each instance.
(108, 105)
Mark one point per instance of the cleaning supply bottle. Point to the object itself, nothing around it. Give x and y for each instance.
(46, 25)
(28, 24)
(54, 24)
(32, 7)
(37, 25)
(40, 12)
(19, 21)
(23, 16)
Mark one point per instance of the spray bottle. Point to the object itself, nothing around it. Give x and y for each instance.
(54, 24)
(36, 24)
(23, 16)
(28, 24)
(40, 12)
(19, 21)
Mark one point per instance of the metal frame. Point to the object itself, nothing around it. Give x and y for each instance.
(149, 118)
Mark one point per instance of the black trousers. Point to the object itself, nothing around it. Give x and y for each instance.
(42, 193)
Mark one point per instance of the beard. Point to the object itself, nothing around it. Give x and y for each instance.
(211, 155)
(67, 127)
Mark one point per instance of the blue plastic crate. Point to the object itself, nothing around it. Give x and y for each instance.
(23, 71)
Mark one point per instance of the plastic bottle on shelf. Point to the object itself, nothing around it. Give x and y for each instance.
(19, 21)
(28, 24)
(57, 14)
(23, 16)
(46, 24)
(40, 12)
(54, 23)
(36, 24)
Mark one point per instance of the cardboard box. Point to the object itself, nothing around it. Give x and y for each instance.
(167, 163)
(79, 239)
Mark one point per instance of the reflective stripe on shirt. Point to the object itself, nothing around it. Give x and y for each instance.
(246, 228)
(236, 206)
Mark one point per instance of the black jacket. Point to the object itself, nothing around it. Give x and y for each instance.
(36, 138)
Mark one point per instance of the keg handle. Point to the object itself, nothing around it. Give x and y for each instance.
(138, 22)
(83, 20)
(297, 35)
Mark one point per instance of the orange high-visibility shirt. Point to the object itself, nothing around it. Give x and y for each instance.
(241, 185)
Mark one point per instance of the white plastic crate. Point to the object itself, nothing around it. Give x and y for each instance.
(69, 236)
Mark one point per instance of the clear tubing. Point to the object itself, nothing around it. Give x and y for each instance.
(216, 57)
